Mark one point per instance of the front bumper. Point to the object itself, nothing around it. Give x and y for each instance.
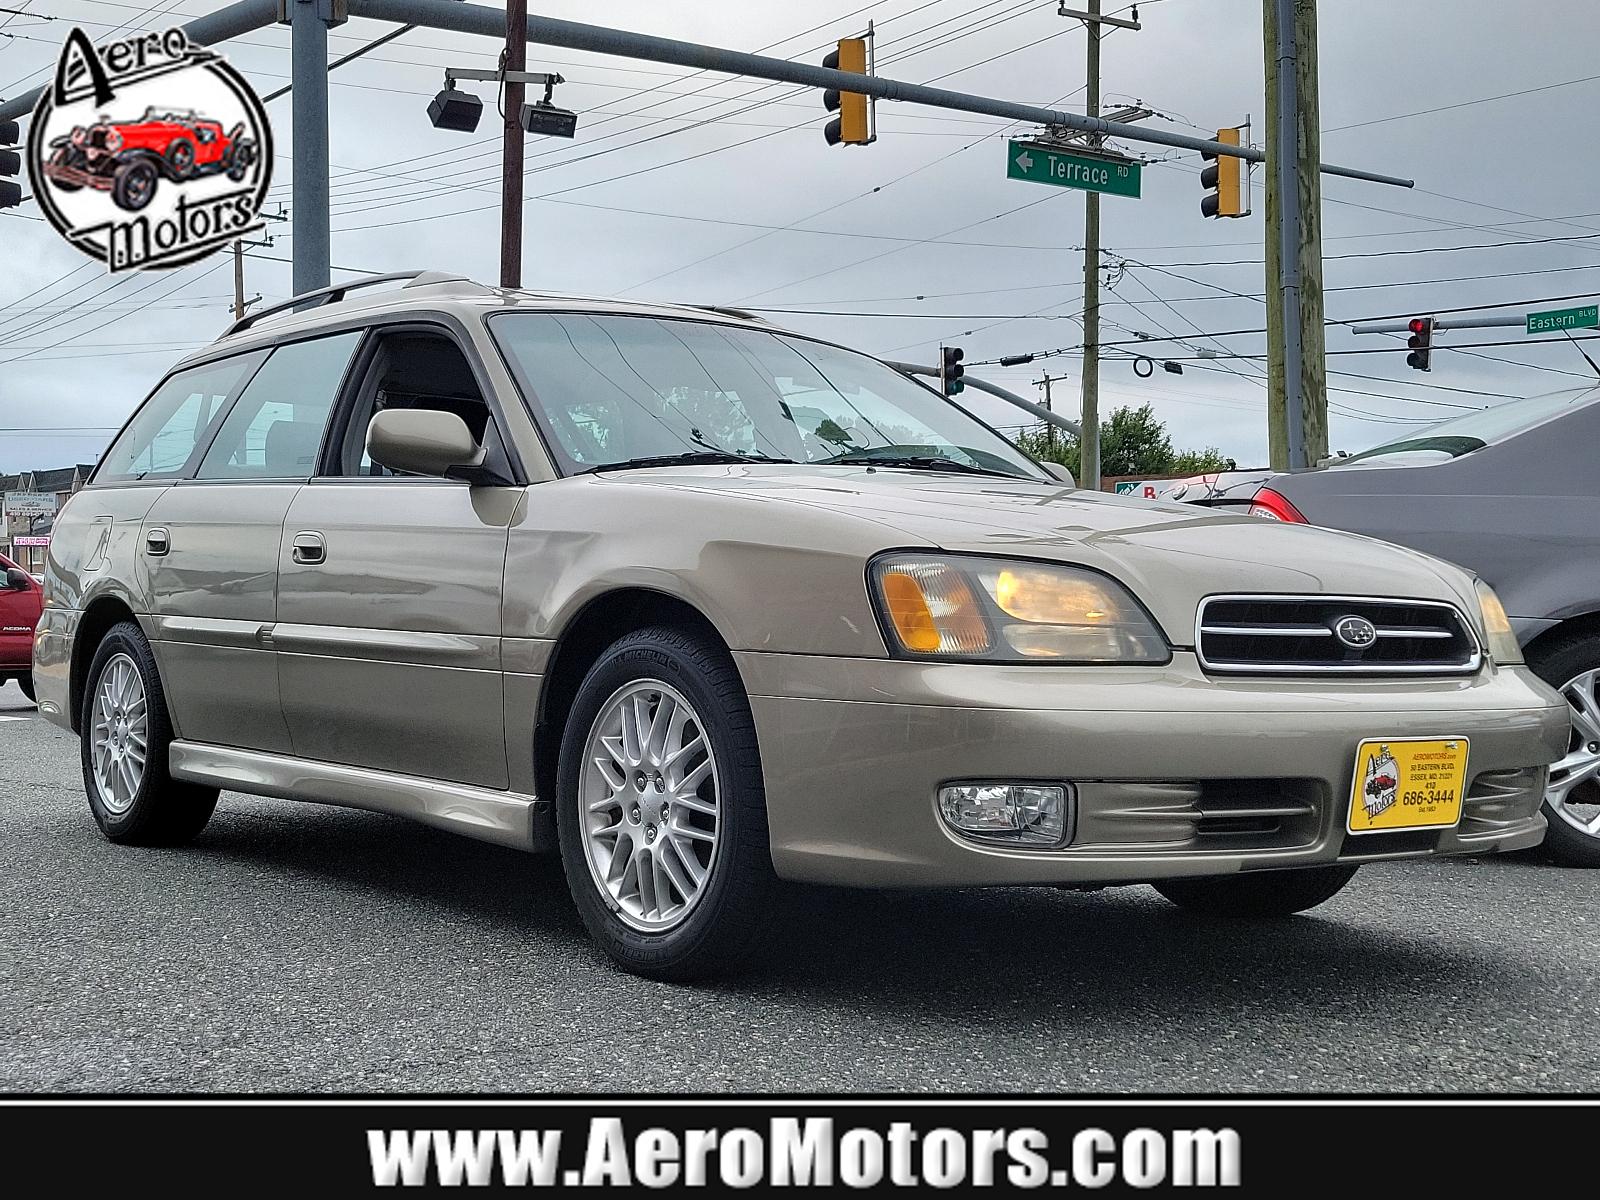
(1176, 773)
(77, 176)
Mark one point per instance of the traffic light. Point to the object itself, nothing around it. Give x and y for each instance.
(1421, 343)
(951, 370)
(851, 126)
(10, 164)
(1224, 197)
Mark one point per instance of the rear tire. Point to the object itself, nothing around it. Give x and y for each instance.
(1258, 893)
(676, 687)
(25, 682)
(1572, 666)
(134, 800)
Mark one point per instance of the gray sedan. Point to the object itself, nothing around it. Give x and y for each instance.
(1512, 494)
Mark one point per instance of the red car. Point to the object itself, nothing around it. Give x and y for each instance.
(128, 158)
(21, 602)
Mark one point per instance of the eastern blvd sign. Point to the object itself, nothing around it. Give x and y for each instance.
(1564, 318)
(1072, 168)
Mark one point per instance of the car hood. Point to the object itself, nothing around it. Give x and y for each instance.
(1169, 555)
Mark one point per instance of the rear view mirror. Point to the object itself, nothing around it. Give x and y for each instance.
(1060, 473)
(420, 441)
(17, 580)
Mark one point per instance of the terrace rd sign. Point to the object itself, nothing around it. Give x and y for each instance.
(1037, 163)
(1558, 319)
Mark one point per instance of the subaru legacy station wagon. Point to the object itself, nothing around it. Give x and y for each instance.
(702, 605)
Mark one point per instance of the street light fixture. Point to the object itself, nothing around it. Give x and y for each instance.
(455, 109)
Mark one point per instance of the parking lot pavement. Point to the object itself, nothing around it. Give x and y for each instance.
(297, 947)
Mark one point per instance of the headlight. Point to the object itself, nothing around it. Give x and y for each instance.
(1503, 645)
(113, 140)
(997, 610)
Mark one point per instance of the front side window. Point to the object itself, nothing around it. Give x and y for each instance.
(275, 430)
(613, 389)
(178, 417)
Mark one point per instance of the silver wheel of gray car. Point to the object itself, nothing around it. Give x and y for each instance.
(1574, 792)
(119, 734)
(650, 805)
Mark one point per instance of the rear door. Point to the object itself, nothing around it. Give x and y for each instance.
(210, 547)
(388, 633)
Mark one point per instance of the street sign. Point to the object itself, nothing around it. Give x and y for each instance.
(1073, 168)
(1564, 318)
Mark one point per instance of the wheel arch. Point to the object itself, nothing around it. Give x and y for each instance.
(1581, 625)
(98, 619)
(583, 639)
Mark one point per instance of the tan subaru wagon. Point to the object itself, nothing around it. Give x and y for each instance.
(704, 604)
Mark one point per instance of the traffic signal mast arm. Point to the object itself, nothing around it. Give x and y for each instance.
(478, 19)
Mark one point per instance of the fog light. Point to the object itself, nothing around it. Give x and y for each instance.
(1012, 813)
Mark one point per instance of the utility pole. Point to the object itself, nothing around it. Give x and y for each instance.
(238, 279)
(1089, 445)
(1050, 430)
(1297, 385)
(515, 58)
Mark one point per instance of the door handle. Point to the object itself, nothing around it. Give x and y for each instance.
(157, 542)
(308, 547)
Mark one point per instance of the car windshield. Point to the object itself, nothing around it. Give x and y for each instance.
(612, 390)
(1475, 430)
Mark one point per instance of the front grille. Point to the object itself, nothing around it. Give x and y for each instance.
(1337, 634)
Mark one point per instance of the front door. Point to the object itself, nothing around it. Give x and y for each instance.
(388, 633)
(210, 544)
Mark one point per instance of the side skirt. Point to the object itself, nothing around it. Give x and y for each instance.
(491, 816)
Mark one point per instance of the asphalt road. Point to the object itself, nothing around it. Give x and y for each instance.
(302, 948)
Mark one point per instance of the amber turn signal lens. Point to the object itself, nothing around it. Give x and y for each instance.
(933, 609)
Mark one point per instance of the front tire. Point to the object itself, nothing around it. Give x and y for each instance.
(134, 185)
(1572, 800)
(124, 734)
(1258, 893)
(661, 812)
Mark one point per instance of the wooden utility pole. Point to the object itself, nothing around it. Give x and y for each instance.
(1089, 444)
(1313, 382)
(515, 58)
(1049, 429)
(238, 279)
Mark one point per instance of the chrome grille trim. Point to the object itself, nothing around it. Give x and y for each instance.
(1453, 630)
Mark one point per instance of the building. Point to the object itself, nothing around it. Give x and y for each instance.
(25, 540)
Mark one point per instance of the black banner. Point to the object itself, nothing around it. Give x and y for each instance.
(1012, 1144)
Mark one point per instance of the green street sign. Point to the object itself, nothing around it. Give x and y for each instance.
(1073, 169)
(1564, 318)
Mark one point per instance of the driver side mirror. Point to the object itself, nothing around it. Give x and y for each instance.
(419, 441)
(17, 580)
(1060, 472)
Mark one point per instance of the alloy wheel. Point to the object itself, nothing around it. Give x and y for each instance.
(650, 805)
(1574, 791)
(119, 732)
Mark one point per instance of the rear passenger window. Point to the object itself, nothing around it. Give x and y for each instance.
(275, 430)
(178, 417)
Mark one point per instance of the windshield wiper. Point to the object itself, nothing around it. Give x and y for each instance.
(688, 458)
(920, 462)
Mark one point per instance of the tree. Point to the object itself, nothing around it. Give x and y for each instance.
(1133, 441)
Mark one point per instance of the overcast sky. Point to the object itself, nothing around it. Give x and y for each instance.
(753, 208)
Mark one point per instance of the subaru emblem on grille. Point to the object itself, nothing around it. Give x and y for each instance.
(1356, 632)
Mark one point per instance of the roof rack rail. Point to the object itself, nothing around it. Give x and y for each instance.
(336, 292)
(724, 310)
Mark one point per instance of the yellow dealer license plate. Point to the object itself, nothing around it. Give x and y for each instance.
(1408, 785)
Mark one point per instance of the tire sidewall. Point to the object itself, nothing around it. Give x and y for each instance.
(119, 187)
(1556, 664)
(126, 639)
(741, 800)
